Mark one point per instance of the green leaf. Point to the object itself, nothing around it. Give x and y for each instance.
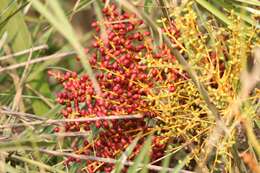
(148, 3)
(251, 2)
(237, 11)
(215, 11)
(52, 113)
(16, 28)
(39, 107)
(249, 9)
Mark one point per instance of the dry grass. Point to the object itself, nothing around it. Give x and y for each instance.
(221, 136)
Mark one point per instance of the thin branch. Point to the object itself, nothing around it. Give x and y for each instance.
(24, 52)
(41, 59)
(19, 90)
(108, 160)
(66, 134)
(61, 121)
(5, 110)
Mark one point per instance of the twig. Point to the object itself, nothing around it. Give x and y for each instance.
(5, 110)
(19, 89)
(24, 52)
(66, 134)
(45, 58)
(51, 121)
(108, 160)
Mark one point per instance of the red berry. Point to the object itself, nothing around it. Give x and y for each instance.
(172, 88)
(56, 129)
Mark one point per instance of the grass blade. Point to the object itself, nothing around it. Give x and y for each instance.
(215, 11)
(130, 148)
(251, 2)
(60, 22)
(144, 153)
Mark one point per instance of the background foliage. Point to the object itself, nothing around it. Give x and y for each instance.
(36, 36)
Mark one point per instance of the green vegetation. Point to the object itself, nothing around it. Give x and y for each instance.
(129, 86)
